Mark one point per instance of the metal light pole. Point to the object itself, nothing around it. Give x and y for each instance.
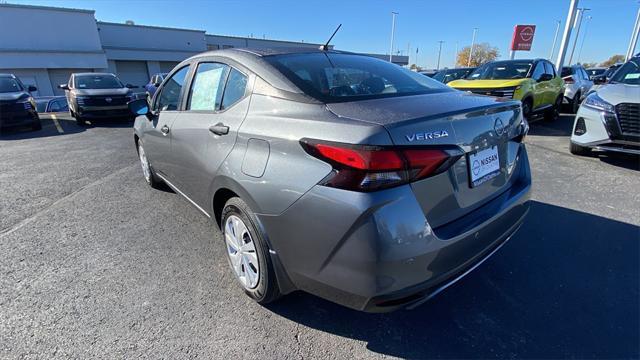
(634, 38)
(393, 30)
(455, 56)
(439, 52)
(555, 38)
(586, 28)
(567, 34)
(578, 24)
(473, 41)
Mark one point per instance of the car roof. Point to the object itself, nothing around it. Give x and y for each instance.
(93, 73)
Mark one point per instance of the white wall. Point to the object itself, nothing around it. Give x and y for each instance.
(121, 36)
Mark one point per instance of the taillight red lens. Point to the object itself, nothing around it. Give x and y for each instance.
(369, 168)
(568, 79)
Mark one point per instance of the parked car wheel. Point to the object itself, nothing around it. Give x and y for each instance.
(575, 103)
(554, 112)
(80, 121)
(248, 253)
(576, 149)
(147, 171)
(37, 125)
(526, 108)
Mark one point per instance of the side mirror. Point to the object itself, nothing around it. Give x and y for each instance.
(63, 86)
(32, 88)
(157, 84)
(545, 77)
(599, 80)
(139, 107)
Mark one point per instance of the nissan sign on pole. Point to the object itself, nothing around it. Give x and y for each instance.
(522, 37)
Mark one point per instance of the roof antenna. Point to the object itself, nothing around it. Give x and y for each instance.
(325, 47)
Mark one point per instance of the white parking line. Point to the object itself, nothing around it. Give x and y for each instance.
(57, 124)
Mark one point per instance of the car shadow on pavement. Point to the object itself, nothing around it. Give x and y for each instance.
(566, 285)
(49, 129)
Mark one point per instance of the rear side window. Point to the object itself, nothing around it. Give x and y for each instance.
(169, 96)
(331, 77)
(235, 89)
(208, 83)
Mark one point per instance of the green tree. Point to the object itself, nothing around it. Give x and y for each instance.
(612, 60)
(482, 54)
(588, 65)
(415, 67)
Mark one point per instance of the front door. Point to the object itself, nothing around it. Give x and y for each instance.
(157, 136)
(205, 132)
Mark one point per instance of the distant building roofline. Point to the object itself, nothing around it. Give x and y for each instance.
(41, 7)
(149, 26)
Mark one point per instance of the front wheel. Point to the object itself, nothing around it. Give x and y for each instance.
(147, 170)
(248, 253)
(526, 108)
(575, 103)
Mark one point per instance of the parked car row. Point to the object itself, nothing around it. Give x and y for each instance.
(17, 106)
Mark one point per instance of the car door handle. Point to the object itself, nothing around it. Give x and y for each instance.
(164, 130)
(219, 129)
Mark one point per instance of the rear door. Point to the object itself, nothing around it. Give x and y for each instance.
(205, 132)
(157, 136)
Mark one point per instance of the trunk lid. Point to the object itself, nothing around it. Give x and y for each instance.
(473, 123)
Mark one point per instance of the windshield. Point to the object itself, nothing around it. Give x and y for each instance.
(97, 82)
(595, 72)
(331, 77)
(629, 73)
(501, 70)
(8, 85)
(446, 76)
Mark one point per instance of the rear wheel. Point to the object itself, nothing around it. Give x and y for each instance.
(554, 112)
(80, 121)
(248, 253)
(576, 149)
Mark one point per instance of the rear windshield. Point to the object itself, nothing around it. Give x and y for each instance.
(97, 82)
(8, 84)
(502, 70)
(566, 71)
(331, 77)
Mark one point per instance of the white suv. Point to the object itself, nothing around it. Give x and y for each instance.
(609, 118)
(577, 85)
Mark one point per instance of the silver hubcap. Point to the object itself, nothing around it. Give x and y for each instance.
(144, 163)
(242, 252)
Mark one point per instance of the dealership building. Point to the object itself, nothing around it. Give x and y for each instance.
(44, 45)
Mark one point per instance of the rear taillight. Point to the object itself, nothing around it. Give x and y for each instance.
(370, 168)
(568, 79)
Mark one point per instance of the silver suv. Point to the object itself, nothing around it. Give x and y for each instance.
(577, 85)
(338, 174)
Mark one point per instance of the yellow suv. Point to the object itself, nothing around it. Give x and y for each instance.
(534, 82)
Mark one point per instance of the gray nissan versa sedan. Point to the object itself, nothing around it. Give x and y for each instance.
(338, 174)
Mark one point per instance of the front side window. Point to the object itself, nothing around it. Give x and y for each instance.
(629, 73)
(331, 77)
(538, 71)
(97, 82)
(206, 90)
(235, 88)
(8, 84)
(169, 96)
(549, 69)
(502, 70)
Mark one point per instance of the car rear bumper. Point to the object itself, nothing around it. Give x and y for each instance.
(376, 252)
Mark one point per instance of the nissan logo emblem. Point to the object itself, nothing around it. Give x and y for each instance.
(107, 100)
(499, 127)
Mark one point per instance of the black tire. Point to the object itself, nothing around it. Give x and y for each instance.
(80, 120)
(576, 149)
(153, 180)
(37, 125)
(527, 105)
(575, 103)
(553, 113)
(267, 289)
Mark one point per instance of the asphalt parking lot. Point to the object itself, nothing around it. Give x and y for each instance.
(96, 264)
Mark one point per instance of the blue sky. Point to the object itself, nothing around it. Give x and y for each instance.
(366, 25)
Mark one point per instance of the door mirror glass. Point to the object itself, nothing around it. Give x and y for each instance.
(32, 88)
(139, 107)
(63, 86)
(545, 77)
